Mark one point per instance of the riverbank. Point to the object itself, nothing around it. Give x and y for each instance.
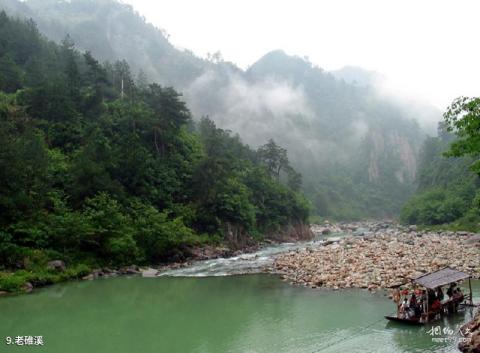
(26, 279)
(40, 271)
(378, 255)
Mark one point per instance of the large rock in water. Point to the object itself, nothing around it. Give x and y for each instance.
(27, 287)
(471, 331)
(57, 265)
(149, 272)
(130, 270)
(332, 240)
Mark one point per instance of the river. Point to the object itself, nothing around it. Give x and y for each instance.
(211, 312)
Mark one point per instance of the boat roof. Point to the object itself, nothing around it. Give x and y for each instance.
(440, 278)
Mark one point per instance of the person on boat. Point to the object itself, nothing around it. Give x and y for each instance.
(454, 301)
(413, 300)
(435, 309)
(457, 298)
(414, 306)
(450, 303)
(423, 299)
(440, 294)
(451, 289)
(460, 295)
(436, 305)
(403, 310)
(397, 299)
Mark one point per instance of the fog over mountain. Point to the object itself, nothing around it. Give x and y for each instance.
(355, 142)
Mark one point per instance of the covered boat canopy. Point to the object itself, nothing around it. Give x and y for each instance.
(432, 281)
(441, 277)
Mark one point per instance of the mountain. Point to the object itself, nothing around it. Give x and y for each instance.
(112, 30)
(357, 76)
(356, 149)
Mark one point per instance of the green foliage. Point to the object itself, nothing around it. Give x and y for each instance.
(157, 234)
(94, 169)
(234, 186)
(463, 118)
(274, 157)
(10, 74)
(448, 183)
(15, 282)
(436, 206)
(111, 233)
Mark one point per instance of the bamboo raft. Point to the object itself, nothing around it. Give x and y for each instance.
(433, 283)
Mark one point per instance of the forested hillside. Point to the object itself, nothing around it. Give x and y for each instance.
(97, 169)
(448, 185)
(357, 150)
(111, 31)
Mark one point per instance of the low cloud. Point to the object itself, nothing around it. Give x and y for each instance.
(256, 110)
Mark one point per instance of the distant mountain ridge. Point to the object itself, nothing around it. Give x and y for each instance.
(356, 149)
(357, 76)
(111, 30)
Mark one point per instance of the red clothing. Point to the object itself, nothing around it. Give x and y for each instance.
(436, 305)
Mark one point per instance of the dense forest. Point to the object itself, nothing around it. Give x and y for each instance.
(99, 168)
(448, 184)
(355, 148)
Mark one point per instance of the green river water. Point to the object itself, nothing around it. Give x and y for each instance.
(248, 313)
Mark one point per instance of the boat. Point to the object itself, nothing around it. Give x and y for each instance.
(413, 322)
(429, 287)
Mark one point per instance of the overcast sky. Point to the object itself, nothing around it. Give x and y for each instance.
(426, 48)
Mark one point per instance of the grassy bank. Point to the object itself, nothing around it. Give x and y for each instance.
(22, 281)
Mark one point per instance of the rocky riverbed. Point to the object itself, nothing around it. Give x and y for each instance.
(378, 255)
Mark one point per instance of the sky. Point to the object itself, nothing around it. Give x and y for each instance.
(427, 49)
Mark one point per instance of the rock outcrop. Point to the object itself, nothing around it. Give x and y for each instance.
(57, 265)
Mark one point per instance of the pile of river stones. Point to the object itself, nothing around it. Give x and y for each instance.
(377, 255)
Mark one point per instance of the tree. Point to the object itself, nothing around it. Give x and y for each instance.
(123, 80)
(96, 81)
(142, 80)
(274, 157)
(170, 114)
(10, 74)
(69, 56)
(111, 229)
(463, 118)
(294, 181)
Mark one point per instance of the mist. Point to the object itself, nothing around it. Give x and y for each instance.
(346, 122)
